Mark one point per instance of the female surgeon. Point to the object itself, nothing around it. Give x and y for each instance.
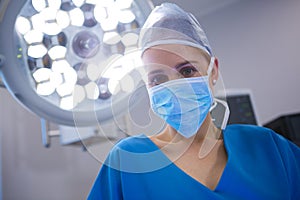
(192, 158)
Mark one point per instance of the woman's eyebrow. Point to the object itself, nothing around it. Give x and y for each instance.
(175, 67)
(184, 63)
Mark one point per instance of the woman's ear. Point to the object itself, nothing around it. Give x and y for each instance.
(215, 71)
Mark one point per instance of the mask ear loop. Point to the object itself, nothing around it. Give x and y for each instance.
(218, 101)
(212, 139)
(226, 112)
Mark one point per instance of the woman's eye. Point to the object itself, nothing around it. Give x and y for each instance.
(188, 71)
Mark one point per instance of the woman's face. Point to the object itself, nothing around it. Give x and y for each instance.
(168, 62)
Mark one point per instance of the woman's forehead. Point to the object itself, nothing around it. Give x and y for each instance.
(172, 59)
(173, 53)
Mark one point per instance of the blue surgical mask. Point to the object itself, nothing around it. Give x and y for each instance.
(182, 103)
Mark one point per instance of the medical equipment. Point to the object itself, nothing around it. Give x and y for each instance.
(288, 126)
(242, 106)
(69, 61)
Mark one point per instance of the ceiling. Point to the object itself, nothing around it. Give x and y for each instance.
(199, 8)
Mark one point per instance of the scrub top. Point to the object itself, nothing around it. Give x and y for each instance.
(261, 165)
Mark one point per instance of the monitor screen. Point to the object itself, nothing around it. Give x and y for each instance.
(241, 109)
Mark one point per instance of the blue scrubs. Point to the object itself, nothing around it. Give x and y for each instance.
(261, 165)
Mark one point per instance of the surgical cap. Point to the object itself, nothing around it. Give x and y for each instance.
(169, 24)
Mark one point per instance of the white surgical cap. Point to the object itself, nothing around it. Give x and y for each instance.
(169, 24)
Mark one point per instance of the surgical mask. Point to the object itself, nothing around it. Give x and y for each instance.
(183, 103)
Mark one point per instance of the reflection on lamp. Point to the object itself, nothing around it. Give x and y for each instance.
(85, 44)
(104, 92)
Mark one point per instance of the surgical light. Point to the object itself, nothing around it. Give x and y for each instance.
(62, 19)
(68, 58)
(36, 51)
(23, 25)
(77, 17)
(33, 36)
(126, 16)
(57, 52)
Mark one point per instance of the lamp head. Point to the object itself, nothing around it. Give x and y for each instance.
(59, 56)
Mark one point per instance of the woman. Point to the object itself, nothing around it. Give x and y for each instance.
(192, 158)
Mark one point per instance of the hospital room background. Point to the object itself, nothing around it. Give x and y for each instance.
(257, 44)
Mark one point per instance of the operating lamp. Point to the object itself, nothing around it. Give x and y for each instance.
(65, 59)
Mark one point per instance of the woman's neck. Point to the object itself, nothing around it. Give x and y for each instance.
(208, 131)
(174, 145)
